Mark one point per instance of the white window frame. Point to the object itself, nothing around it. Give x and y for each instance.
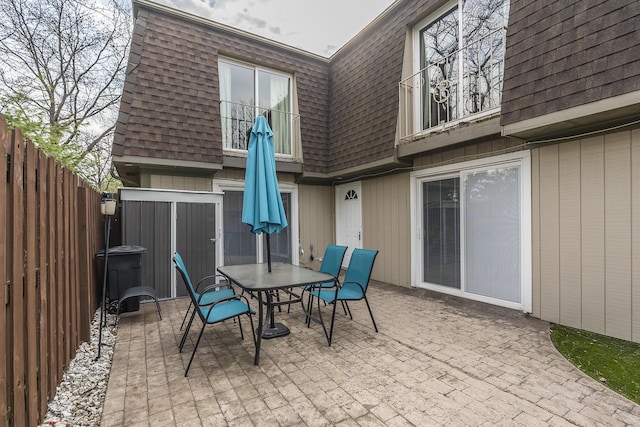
(220, 185)
(521, 159)
(256, 69)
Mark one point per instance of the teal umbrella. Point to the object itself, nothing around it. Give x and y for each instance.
(262, 206)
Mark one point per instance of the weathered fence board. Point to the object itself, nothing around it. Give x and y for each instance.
(4, 338)
(50, 230)
(16, 287)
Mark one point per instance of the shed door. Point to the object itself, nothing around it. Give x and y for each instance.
(148, 224)
(195, 240)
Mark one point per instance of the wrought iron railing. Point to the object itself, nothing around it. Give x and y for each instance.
(237, 121)
(464, 84)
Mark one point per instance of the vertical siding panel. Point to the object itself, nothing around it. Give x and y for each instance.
(370, 240)
(535, 233)
(549, 235)
(388, 226)
(618, 235)
(401, 219)
(316, 212)
(570, 271)
(385, 212)
(635, 236)
(592, 245)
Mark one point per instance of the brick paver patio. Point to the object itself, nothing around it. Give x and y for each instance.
(437, 360)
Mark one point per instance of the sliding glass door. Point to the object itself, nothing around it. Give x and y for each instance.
(472, 233)
(441, 225)
(492, 233)
(243, 247)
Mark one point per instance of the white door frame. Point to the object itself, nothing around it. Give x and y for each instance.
(220, 185)
(341, 237)
(523, 158)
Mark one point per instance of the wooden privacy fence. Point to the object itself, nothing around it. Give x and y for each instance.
(50, 231)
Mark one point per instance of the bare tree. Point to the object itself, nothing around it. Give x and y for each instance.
(62, 65)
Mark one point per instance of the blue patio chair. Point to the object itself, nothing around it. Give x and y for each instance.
(211, 312)
(331, 264)
(353, 288)
(219, 288)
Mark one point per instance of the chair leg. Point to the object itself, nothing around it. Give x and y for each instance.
(333, 318)
(309, 309)
(158, 307)
(185, 315)
(240, 324)
(371, 313)
(195, 348)
(347, 310)
(253, 329)
(186, 331)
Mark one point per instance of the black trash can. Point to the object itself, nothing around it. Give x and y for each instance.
(124, 271)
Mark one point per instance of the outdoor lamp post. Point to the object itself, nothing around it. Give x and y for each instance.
(108, 209)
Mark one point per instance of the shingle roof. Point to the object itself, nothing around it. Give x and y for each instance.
(565, 53)
(170, 106)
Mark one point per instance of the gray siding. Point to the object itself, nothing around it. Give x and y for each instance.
(586, 235)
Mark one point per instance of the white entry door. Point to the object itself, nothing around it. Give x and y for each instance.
(349, 218)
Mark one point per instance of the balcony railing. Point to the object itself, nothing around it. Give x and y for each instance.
(463, 85)
(237, 121)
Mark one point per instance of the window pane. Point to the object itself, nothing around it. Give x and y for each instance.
(241, 245)
(492, 233)
(483, 53)
(281, 242)
(237, 107)
(481, 17)
(239, 242)
(274, 97)
(439, 44)
(441, 232)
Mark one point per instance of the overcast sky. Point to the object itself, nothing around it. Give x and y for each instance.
(319, 26)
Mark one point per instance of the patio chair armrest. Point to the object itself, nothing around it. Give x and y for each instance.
(213, 276)
(356, 283)
(216, 287)
(336, 283)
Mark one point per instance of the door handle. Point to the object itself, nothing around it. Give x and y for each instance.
(213, 240)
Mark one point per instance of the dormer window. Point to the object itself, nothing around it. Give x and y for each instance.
(245, 92)
(458, 66)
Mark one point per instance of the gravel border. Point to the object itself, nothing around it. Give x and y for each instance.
(80, 395)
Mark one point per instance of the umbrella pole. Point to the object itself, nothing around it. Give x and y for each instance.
(268, 252)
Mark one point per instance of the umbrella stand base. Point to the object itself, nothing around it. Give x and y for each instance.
(274, 331)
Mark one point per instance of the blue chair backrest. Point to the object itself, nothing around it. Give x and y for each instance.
(332, 261)
(360, 267)
(183, 272)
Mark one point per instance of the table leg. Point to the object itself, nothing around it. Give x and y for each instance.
(271, 328)
(256, 360)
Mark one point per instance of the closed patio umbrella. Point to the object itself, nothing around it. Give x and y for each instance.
(262, 206)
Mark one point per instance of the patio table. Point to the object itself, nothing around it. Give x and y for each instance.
(255, 278)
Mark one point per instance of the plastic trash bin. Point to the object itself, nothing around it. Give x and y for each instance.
(124, 271)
